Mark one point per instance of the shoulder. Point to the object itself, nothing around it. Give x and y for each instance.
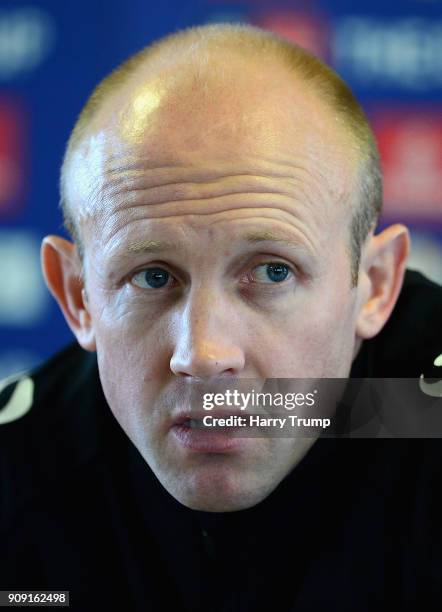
(411, 341)
(419, 304)
(49, 426)
(47, 391)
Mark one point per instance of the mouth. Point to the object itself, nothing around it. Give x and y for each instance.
(192, 431)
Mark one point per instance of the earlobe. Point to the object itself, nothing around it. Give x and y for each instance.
(62, 272)
(383, 264)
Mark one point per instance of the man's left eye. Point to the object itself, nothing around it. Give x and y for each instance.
(151, 278)
(271, 272)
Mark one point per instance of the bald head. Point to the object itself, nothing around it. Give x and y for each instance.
(234, 85)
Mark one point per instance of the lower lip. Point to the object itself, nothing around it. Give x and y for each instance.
(206, 439)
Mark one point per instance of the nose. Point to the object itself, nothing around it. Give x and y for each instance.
(206, 344)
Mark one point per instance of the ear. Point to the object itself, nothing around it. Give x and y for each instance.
(381, 275)
(62, 272)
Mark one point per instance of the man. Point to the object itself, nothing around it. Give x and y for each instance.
(222, 189)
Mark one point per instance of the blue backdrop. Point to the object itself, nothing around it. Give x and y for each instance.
(53, 52)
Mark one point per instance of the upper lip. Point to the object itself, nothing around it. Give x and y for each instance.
(182, 417)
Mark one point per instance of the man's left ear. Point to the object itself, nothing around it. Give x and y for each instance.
(381, 274)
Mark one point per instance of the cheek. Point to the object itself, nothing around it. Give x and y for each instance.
(131, 353)
(127, 328)
(315, 339)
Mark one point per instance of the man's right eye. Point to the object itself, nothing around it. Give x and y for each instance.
(151, 278)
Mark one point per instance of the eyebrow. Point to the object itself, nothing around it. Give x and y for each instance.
(268, 236)
(159, 246)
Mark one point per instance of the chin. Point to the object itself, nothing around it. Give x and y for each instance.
(217, 504)
(218, 496)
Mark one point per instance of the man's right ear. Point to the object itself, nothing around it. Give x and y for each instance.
(62, 273)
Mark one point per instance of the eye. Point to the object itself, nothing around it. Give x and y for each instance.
(151, 278)
(274, 272)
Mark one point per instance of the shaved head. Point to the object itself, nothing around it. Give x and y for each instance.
(214, 82)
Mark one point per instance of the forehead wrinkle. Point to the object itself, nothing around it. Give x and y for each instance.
(302, 201)
(294, 223)
(156, 175)
(122, 180)
(185, 192)
(134, 165)
(138, 192)
(216, 204)
(122, 175)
